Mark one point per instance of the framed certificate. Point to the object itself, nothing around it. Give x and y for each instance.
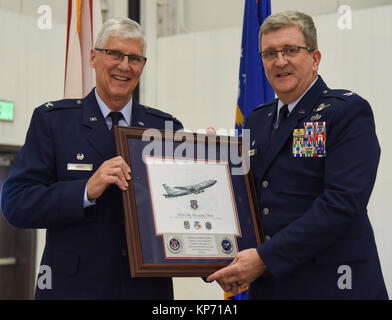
(191, 205)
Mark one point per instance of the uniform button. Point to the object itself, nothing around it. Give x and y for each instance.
(267, 237)
(124, 252)
(266, 211)
(265, 184)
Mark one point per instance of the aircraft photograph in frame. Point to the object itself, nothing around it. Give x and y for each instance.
(191, 204)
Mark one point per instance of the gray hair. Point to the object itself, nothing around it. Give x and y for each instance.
(288, 18)
(120, 27)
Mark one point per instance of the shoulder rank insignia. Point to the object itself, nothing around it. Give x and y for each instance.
(349, 94)
(321, 107)
(49, 105)
(310, 142)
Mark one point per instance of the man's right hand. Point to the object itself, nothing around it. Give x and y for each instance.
(111, 171)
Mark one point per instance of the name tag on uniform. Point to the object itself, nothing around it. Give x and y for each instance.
(252, 152)
(79, 167)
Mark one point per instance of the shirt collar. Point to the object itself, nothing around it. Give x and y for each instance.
(126, 110)
(292, 105)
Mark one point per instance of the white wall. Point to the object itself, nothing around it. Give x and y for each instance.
(195, 78)
(358, 59)
(32, 71)
(187, 16)
(204, 67)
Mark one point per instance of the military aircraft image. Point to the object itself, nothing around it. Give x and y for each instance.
(182, 191)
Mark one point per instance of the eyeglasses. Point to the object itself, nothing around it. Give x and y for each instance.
(290, 52)
(118, 56)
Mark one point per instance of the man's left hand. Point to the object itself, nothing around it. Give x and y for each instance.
(245, 268)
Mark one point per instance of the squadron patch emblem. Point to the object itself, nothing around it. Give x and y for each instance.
(310, 141)
(194, 204)
(174, 245)
(226, 245)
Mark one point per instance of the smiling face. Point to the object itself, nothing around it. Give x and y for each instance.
(289, 76)
(116, 80)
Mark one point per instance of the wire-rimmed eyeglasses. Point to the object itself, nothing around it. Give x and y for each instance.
(117, 55)
(290, 51)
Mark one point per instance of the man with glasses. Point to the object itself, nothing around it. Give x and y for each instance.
(68, 180)
(315, 159)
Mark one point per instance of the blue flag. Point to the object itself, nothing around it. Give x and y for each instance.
(254, 88)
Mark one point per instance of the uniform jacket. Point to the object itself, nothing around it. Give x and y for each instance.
(85, 248)
(313, 209)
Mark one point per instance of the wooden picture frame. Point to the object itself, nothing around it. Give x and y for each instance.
(208, 213)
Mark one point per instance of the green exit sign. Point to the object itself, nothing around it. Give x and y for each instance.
(6, 110)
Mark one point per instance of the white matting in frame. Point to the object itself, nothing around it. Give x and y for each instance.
(192, 196)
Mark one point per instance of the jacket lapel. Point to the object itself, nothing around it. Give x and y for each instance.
(137, 118)
(265, 127)
(95, 128)
(301, 110)
(141, 117)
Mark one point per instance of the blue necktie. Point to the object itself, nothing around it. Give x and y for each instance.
(116, 116)
(283, 113)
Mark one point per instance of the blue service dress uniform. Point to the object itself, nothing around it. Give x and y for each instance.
(313, 187)
(85, 248)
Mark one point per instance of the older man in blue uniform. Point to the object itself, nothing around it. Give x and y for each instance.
(315, 158)
(68, 180)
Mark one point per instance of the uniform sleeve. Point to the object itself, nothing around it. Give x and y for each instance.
(177, 125)
(32, 197)
(350, 171)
